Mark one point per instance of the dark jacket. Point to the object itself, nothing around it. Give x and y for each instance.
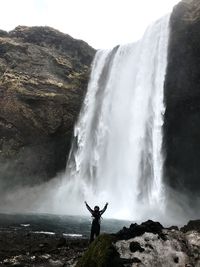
(96, 215)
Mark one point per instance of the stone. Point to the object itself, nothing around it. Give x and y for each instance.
(138, 230)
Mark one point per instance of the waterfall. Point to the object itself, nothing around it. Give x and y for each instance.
(116, 155)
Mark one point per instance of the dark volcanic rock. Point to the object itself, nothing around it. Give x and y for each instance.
(43, 78)
(23, 248)
(138, 230)
(182, 97)
(135, 246)
(191, 226)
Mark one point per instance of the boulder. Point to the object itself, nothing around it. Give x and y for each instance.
(138, 230)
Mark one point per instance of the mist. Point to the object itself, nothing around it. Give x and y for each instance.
(48, 198)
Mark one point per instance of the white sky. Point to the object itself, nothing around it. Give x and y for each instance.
(101, 23)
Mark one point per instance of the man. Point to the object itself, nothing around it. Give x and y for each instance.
(96, 217)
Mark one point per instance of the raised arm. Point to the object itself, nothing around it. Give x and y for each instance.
(104, 209)
(88, 207)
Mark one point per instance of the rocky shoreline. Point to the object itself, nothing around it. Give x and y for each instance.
(147, 244)
(24, 248)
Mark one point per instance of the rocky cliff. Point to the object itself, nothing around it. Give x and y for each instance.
(182, 97)
(43, 77)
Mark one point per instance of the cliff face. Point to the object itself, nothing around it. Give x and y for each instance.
(43, 77)
(182, 97)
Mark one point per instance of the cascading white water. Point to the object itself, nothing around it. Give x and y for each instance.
(116, 155)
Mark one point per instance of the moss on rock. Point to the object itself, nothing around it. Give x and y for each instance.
(101, 253)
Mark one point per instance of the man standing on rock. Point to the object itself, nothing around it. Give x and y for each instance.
(96, 219)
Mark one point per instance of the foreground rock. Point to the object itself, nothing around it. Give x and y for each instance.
(148, 244)
(43, 78)
(31, 249)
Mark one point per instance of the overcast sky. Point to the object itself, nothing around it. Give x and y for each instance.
(101, 23)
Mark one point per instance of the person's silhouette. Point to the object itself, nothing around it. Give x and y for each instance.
(96, 217)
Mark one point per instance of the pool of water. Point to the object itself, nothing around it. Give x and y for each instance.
(71, 226)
